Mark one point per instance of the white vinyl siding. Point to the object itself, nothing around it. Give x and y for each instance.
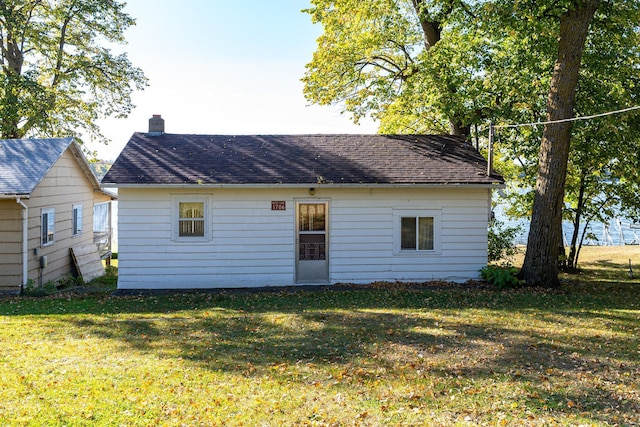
(365, 239)
(250, 245)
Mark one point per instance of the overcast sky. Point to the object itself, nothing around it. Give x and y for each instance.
(223, 67)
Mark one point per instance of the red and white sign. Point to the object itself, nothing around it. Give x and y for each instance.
(279, 205)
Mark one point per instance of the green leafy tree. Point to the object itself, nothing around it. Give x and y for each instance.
(100, 167)
(604, 177)
(399, 61)
(604, 168)
(58, 73)
(600, 172)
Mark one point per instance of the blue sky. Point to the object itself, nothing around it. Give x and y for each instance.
(223, 67)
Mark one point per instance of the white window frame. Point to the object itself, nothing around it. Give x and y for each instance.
(49, 227)
(175, 218)
(76, 220)
(398, 214)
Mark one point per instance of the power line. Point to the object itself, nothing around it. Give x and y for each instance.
(609, 113)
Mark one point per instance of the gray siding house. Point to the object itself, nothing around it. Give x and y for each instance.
(222, 211)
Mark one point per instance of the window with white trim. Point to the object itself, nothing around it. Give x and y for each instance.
(190, 219)
(76, 219)
(416, 231)
(48, 225)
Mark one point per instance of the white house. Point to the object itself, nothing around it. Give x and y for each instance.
(215, 211)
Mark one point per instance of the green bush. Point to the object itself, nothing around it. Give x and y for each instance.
(502, 276)
(501, 241)
(31, 290)
(68, 282)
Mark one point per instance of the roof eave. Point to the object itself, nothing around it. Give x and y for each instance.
(15, 196)
(492, 185)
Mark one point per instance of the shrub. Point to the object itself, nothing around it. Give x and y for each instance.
(68, 282)
(502, 276)
(31, 290)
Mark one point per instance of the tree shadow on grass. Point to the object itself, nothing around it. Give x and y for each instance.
(605, 270)
(570, 356)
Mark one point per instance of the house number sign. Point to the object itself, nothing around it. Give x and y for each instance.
(279, 205)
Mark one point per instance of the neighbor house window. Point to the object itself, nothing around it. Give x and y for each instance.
(48, 226)
(190, 218)
(417, 233)
(77, 220)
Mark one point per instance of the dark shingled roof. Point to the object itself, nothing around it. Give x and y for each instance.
(298, 159)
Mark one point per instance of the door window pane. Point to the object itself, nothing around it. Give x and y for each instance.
(311, 217)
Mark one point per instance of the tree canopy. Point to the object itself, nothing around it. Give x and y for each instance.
(59, 74)
(601, 175)
(399, 62)
(449, 65)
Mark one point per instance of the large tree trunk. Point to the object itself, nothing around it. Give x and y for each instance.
(457, 128)
(540, 266)
(12, 62)
(431, 29)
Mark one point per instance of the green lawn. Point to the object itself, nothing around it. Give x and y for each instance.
(380, 356)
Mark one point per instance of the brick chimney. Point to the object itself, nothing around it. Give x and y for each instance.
(156, 125)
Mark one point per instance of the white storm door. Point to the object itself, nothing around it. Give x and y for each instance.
(312, 260)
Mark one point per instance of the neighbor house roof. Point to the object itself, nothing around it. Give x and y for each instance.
(177, 159)
(25, 162)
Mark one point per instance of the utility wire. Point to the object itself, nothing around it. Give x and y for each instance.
(610, 113)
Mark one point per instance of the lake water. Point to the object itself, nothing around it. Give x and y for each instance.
(618, 232)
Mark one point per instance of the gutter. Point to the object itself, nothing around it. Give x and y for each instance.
(14, 196)
(495, 185)
(25, 241)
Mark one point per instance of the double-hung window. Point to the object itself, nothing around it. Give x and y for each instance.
(77, 220)
(48, 226)
(190, 219)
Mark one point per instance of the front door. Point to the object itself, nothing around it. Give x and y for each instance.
(312, 264)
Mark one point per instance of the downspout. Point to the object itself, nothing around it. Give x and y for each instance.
(25, 242)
